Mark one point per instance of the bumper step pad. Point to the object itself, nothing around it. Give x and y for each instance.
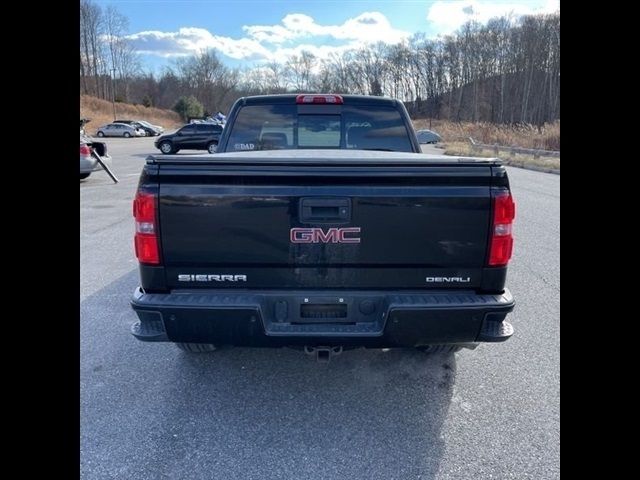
(493, 331)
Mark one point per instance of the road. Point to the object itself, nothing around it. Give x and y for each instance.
(150, 411)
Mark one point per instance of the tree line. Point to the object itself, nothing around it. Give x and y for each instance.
(506, 71)
(105, 55)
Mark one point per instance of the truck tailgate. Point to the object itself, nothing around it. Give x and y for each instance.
(387, 224)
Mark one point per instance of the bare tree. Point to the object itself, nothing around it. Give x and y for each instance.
(505, 71)
(91, 46)
(276, 77)
(299, 70)
(208, 79)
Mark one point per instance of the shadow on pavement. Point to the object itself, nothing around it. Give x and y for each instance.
(153, 411)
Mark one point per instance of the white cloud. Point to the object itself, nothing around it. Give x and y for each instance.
(447, 16)
(188, 41)
(367, 27)
(273, 42)
(268, 33)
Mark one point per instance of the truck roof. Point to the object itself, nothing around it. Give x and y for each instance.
(290, 98)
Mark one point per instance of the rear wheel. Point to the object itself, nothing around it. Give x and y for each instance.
(212, 147)
(440, 348)
(166, 147)
(196, 347)
(84, 175)
(100, 133)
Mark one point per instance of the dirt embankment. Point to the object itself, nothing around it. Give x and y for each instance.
(101, 112)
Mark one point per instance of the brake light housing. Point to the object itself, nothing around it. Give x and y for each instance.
(501, 242)
(85, 150)
(324, 98)
(146, 236)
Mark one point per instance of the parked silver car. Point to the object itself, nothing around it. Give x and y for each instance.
(428, 136)
(120, 130)
(88, 162)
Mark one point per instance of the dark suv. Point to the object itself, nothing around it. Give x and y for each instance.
(195, 136)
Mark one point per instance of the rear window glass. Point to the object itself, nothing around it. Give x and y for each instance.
(203, 127)
(319, 131)
(273, 127)
(188, 130)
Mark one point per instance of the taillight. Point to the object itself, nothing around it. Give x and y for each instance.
(335, 99)
(85, 150)
(501, 246)
(146, 238)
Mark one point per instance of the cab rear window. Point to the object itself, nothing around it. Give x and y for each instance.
(273, 127)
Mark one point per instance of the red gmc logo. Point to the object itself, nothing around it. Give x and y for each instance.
(318, 235)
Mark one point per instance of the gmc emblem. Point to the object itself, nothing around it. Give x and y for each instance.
(318, 235)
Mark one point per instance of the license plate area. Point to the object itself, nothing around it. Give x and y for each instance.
(323, 313)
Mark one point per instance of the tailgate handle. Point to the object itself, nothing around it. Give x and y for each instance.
(327, 210)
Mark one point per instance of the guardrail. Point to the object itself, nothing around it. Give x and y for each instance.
(513, 151)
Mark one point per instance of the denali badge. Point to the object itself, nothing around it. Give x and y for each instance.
(318, 235)
(211, 278)
(448, 280)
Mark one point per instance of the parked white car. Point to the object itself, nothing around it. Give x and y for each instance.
(88, 161)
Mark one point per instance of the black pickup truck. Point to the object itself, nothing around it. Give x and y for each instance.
(319, 225)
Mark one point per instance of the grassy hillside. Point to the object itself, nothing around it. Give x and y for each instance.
(455, 138)
(523, 136)
(101, 112)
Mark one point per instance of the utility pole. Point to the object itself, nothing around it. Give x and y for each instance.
(113, 92)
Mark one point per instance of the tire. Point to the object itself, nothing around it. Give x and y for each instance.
(126, 135)
(211, 148)
(100, 133)
(440, 348)
(166, 147)
(84, 175)
(196, 347)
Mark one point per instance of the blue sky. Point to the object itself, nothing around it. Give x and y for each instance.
(251, 32)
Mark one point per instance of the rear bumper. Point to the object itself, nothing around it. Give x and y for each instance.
(89, 164)
(347, 318)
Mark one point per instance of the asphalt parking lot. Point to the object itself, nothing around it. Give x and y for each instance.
(151, 411)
